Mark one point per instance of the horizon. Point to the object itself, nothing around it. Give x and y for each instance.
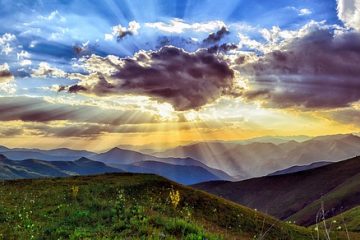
(155, 148)
(166, 74)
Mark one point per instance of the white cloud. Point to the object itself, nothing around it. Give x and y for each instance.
(177, 25)
(304, 12)
(349, 13)
(45, 70)
(53, 16)
(5, 43)
(120, 32)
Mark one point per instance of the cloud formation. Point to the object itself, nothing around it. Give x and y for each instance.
(5, 74)
(347, 116)
(28, 109)
(349, 13)
(177, 25)
(185, 80)
(319, 70)
(216, 36)
(119, 32)
(6, 43)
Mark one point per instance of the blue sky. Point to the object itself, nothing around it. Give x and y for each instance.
(247, 68)
(76, 22)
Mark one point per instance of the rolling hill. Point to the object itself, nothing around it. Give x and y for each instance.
(349, 220)
(295, 169)
(297, 196)
(128, 206)
(182, 174)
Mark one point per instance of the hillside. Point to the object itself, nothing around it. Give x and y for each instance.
(181, 174)
(129, 206)
(295, 169)
(349, 220)
(297, 196)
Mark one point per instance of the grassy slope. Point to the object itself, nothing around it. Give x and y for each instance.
(132, 206)
(349, 220)
(285, 195)
(340, 199)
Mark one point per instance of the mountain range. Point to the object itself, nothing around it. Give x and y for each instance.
(207, 161)
(186, 171)
(263, 158)
(297, 196)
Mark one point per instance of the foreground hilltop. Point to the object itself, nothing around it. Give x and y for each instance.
(132, 206)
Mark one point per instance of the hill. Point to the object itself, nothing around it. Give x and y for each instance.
(31, 168)
(297, 196)
(349, 220)
(295, 169)
(129, 206)
(181, 174)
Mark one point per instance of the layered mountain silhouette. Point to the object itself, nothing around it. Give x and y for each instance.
(185, 171)
(259, 159)
(209, 161)
(297, 196)
(31, 168)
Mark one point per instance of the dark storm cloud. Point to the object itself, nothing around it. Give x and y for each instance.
(217, 36)
(320, 70)
(222, 48)
(5, 75)
(37, 110)
(185, 80)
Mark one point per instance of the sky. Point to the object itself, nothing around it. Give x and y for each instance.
(97, 74)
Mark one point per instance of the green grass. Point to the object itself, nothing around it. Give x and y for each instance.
(129, 206)
(334, 202)
(349, 220)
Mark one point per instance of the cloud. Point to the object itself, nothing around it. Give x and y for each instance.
(177, 25)
(5, 74)
(10, 131)
(185, 80)
(216, 36)
(119, 32)
(349, 13)
(222, 48)
(318, 70)
(301, 11)
(347, 116)
(45, 70)
(5, 43)
(28, 109)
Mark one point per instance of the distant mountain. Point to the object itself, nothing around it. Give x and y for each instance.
(182, 174)
(259, 159)
(297, 196)
(31, 168)
(295, 169)
(121, 156)
(60, 154)
(62, 162)
(117, 157)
